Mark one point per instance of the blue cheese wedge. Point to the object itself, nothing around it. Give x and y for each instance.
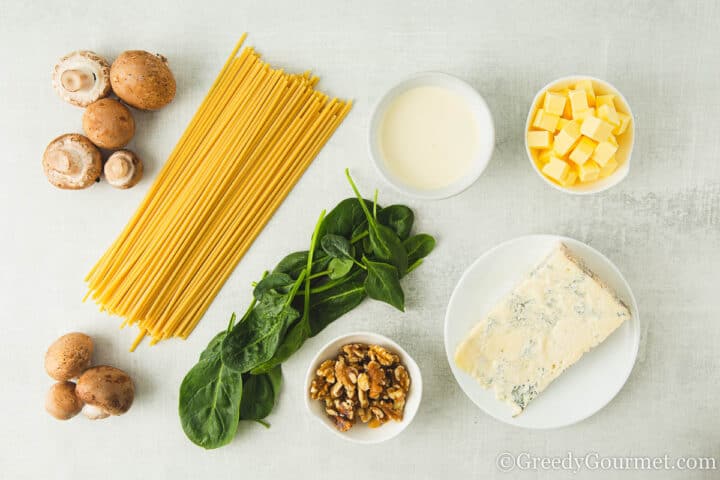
(557, 313)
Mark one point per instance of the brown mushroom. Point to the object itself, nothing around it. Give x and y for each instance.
(123, 169)
(71, 161)
(108, 123)
(69, 356)
(142, 80)
(81, 77)
(61, 401)
(105, 391)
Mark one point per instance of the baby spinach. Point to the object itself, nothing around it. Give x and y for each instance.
(260, 394)
(210, 396)
(383, 283)
(357, 250)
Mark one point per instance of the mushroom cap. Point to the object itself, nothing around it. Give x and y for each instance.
(108, 388)
(123, 169)
(108, 123)
(69, 356)
(142, 80)
(71, 161)
(61, 401)
(81, 77)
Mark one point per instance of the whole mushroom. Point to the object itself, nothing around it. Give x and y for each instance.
(108, 123)
(71, 161)
(69, 356)
(142, 80)
(61, 401)
(105, 391)
(123, 169)
(81, 77)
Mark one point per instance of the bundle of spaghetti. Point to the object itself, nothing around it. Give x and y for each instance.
(250, 141)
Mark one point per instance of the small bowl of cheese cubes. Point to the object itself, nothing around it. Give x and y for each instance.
(579, 135)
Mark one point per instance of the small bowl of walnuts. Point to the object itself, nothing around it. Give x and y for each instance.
(364, 387)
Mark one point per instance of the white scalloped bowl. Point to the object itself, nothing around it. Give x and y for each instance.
(361, 433)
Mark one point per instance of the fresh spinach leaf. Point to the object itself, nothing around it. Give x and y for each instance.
(418, 246)
(336, 246)
(260, 393)
(339, 267)
(343, 219)
(210, 398)
(386, 246)
(275, 282)
(296, 262)
(383, 283)
(331, 303)
(399, 218)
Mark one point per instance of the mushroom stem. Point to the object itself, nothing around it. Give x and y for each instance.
(62, 162)
(118, 166)
(74, 80)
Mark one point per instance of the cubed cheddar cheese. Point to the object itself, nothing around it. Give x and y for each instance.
(569, 179)
(587, 86)
(609, 168)
(601, 100)
(544, 156)
(612, 139)
(595, 128)
(566, 138)
(588, 171)
(578, 101)
(624, 122)
(554, 103)
(603, 153)
(583, 114)
(582, 152)
(567, 111)
(609, 114)
(561, 123)
(545, 121)
(556, 169)
(539, 139)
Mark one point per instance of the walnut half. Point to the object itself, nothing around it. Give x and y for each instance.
(365, 382)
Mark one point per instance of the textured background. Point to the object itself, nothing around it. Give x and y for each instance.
(661, 225)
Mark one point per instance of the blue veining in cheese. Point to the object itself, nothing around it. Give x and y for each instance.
(557, 313)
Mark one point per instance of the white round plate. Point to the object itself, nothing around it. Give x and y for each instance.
(582, 389)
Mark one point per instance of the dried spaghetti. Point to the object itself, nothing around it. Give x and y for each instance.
(250, 141)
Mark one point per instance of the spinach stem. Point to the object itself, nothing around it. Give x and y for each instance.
(296, 286)
(313, 242)
(263, 423)
(359, 237)
(375, 195)
(371, 220)
(319, 274)
(359, 264)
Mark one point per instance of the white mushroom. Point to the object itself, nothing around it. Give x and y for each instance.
(61, 401)
(71, 161)
(81, 77)
(105, 391)
(123, 169)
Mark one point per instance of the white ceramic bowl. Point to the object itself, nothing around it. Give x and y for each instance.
(486, 133)
(361, 433)
(626, 140)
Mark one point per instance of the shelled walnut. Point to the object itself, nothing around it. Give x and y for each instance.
(365, 382)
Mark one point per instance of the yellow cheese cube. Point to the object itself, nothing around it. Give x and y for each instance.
(567, 111)
(601, 100)
(554, 103)
(545, 121)
(539, 139)
(609, 168)
(556, 169)
(578, 101)
(569, 179)
(612, 139)
(581, 153)
(608, 113)
(566, 138)
(561, 123)
(583, 114)
(624, 122)
(603, 153)
(587, 86)
(597, 129)
(588, 171)
(544, 156)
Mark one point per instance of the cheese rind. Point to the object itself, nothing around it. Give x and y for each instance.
(555, 315)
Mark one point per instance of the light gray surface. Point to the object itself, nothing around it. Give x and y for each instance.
(661, 226)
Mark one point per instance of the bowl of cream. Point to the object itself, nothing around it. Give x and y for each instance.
(431, 136)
